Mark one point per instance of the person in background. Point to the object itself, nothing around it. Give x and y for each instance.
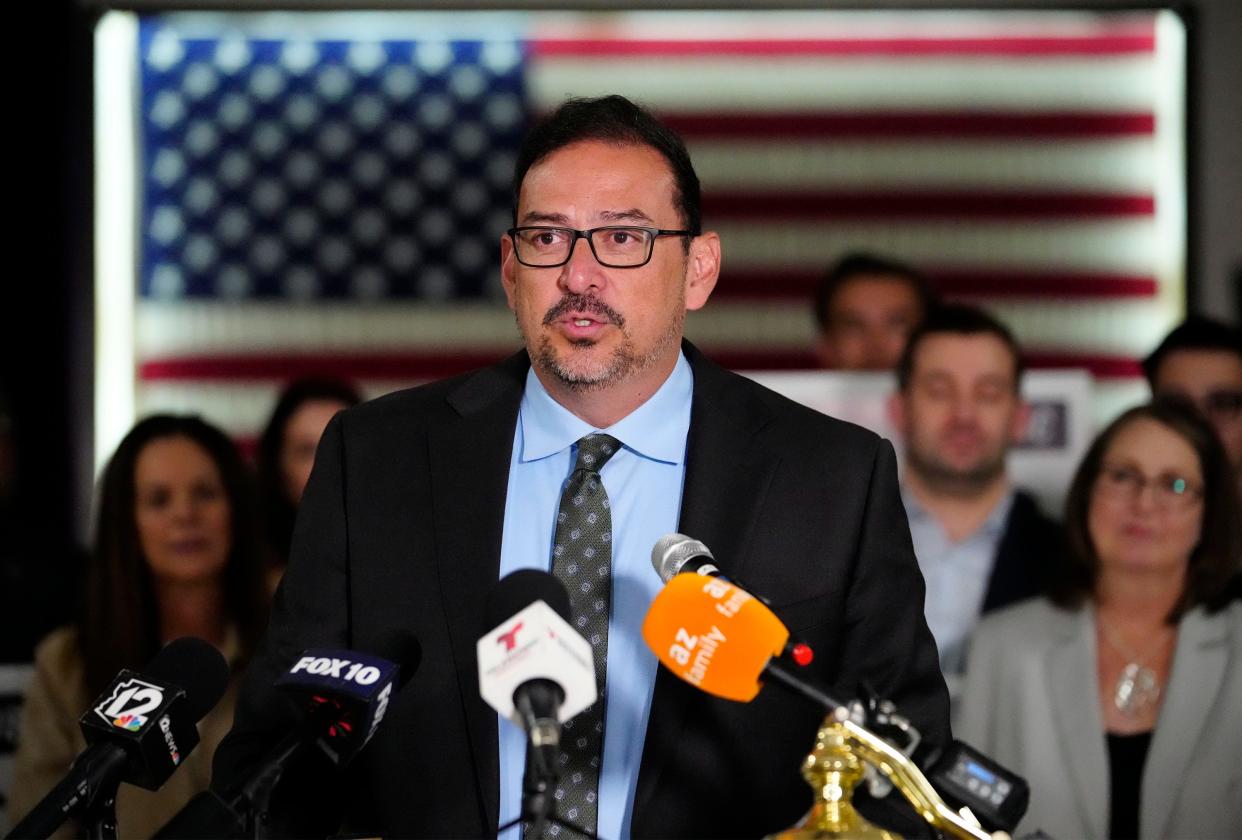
(980, 542)
(1119, 696)
(865, 309)
(176, 553)
(1201, 361)
(286, 453)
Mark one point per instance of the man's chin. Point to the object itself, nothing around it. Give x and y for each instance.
(581, 366)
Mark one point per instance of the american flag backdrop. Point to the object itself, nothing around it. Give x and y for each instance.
(327, 194)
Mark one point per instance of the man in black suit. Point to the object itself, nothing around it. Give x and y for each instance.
(420, 500)
(981, 542)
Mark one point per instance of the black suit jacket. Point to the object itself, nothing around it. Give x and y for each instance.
(1026, 549)
(399, 535)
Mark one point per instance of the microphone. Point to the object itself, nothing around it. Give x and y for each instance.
(346, 694)
(716, 636)
(138, 731)
(342, 697)
(537, 671)
(675, 554)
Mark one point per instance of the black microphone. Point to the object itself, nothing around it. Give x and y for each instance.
(341, 696)
(536, 670)
(138, 731)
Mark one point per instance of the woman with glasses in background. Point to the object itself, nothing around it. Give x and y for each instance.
(1119, 696)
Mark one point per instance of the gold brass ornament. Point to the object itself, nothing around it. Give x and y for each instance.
(833, 771)
(835, 767)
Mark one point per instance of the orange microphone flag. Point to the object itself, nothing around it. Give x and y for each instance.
(713, 635)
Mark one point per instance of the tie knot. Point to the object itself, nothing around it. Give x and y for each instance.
(595, 450)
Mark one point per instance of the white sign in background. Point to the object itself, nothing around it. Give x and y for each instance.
(1062, 419)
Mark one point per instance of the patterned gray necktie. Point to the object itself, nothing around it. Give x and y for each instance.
(582, 560)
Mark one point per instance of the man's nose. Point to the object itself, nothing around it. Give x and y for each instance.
(583, 272)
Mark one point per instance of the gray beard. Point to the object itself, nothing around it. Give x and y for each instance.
(962, 484)
(624, 363)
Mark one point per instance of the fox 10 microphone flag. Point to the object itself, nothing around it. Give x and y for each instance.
(325, 193)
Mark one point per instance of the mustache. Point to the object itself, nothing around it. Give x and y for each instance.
(583, 303)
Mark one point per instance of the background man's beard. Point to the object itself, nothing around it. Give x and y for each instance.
(949, 481)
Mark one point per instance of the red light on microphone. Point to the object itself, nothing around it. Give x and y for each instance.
(802, 654)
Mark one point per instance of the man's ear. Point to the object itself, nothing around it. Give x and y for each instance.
(895, 408)
(1021, 419)
(702, 269)
(823, 351)
(508, 266)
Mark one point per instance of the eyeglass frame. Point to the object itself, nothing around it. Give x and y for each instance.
(1163, 497)
(655, 234)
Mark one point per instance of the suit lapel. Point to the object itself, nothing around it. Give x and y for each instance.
(470, 450)
(728, 471)
(1079, 728)
(1199, 664)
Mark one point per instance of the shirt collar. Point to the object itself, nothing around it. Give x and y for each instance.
(657, 429)
(992, 527)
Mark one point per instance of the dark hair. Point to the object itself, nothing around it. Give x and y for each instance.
(278, 509)
(1195, 333)
(958, 319)
(613, 119)
(119, 626)
(858, 264)
(1212, 562)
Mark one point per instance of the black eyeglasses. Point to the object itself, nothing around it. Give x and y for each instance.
(614, 246)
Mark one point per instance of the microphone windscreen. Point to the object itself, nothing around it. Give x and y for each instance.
(713, 635)
(518, 590)
(197, 667)
(672, 551)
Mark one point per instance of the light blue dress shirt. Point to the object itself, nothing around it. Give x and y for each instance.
(956, 574)
(644, 483)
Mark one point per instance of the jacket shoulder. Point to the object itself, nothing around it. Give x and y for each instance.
(760, 406)
(1026, 624)
(461, 394)
(59, 654)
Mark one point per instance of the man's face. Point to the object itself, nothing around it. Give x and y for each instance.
(960, 412)
(1212, 380)
(589, 327)
(869, 320)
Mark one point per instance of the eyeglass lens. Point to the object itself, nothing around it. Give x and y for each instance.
(618, 246)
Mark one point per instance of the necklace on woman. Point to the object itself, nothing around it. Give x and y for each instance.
(1137, 688)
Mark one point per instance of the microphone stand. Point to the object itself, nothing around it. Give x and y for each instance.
(90, 792)
(101, 819)
(538, 804)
